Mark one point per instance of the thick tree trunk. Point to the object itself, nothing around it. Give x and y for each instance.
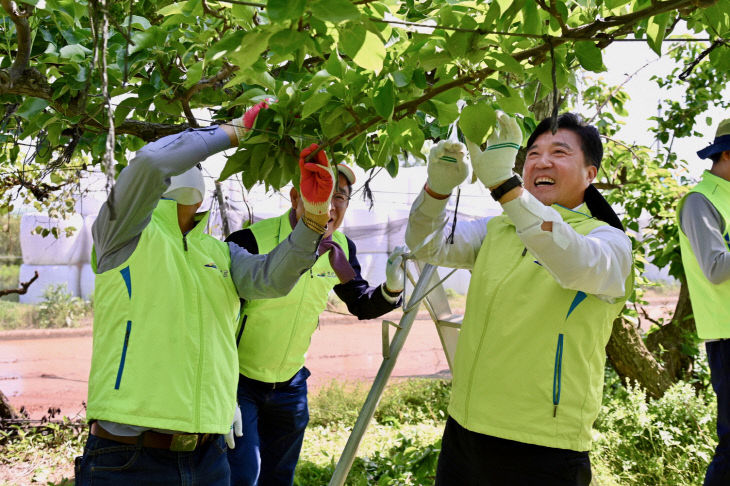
(664, 358)
(674, 343)
(6, 410)
(632, 360)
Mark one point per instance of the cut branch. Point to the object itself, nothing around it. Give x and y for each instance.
(23, 287)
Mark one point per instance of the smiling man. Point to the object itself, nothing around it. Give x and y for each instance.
(549, 275)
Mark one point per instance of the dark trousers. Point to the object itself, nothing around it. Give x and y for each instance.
(274, 420)
(718, 356)
(115, 464)
(468, 458)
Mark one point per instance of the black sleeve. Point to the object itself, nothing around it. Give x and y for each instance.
(363, 301)
(245, 239)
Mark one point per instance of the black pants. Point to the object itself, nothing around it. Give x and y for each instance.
(718, 356)
(469, 458)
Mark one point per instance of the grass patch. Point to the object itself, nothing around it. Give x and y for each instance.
(411, 401)
(17, 316)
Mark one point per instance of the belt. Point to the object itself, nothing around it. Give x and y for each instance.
(268, 385)
(156, 440)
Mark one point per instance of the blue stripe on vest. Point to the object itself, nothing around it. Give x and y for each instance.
(127, 279)
(579, 297)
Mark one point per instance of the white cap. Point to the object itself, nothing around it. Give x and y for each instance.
(187, 188)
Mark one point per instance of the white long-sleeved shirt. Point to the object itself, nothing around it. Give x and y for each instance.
(597, 263)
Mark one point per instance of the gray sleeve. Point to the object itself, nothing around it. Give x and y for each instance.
(140, 185)
(275, 273)
(703, 225)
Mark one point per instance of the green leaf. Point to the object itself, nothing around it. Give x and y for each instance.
(407, 134)
(31, 107)
(509, 63)
(314, 103)
(143, 39)
(384, 100)
(589, 56)
(195, 72)
(476, 120)
(513, 104)
(235, 164)
(172, 9)
(335, 66)
(282, 10)
(334, 11)
(74, 52)
(447, 112)
(531, 18)
(363, 47)
(286, 41)
(655, 31)
(229, 42)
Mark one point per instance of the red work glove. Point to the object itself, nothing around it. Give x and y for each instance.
(244, 124)
(317, 182)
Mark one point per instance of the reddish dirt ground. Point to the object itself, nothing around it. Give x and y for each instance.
(42, 369)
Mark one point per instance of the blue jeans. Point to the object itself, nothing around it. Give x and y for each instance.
(274, 420)
(112, 463)
(718, 356)
(468, 458)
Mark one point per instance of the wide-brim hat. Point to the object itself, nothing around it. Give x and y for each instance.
(721, 142)
(187, 188)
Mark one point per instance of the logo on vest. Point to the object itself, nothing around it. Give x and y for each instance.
(224, 273)
(327, 274)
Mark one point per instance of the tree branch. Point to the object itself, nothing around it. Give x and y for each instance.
(25, 40)
(23, 287)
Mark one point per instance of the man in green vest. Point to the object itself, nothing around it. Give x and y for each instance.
(549, 275)
(274, 336)
(705, 243)
(162, 381)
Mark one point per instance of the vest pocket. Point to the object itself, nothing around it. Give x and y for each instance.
(557, 372)
(124, 355)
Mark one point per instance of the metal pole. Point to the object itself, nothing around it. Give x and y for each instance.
(386, 368)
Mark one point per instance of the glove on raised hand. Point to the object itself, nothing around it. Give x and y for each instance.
(394, 269)
(317, 181)
(446, 166)
(244, 124)
(495, 164)
(236, 427)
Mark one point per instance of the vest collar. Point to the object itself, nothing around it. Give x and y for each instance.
(166, 212)
(721, 185)
(578, 213)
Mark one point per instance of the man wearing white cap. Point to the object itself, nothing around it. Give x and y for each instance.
(274, 336)
(162, 381)
(705, 244)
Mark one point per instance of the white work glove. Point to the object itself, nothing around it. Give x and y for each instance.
(394, 269)
(446, 166)
(495, 164)
(237, 427)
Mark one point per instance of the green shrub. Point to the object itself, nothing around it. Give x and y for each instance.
(17, 316)
(668, 441)
(59, 308)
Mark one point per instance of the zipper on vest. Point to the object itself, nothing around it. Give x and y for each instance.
(311, 275)
(557, 372)
(524, 252)
(124, 355)
(185, 243)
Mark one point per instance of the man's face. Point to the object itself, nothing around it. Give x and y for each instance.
(555, 171)
(338, 206)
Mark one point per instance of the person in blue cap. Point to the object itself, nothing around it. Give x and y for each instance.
(705, 244)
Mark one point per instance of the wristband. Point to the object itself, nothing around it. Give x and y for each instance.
(506, 186)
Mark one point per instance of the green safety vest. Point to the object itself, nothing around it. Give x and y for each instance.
(274, 334)
(709, 301)
(530, 356)
(164, 332)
